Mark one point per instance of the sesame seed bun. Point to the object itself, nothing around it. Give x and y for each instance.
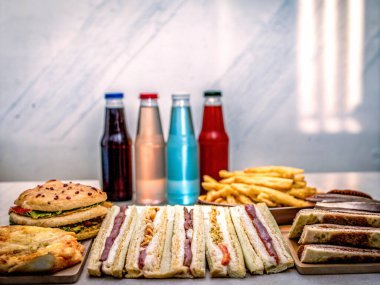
(55, 195)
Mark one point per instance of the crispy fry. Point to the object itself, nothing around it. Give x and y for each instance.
(209, 186)
(299, 177)
(267, 201)
(271, 182)
(302, 193)
(244, 189)
(231, 200)
(227, 174)
(221, 193)
(243, 199)
(209, 195)
(274, 185)
(279, 197)
(202, 197)
(219, 200)
(207, 178)
(285, 170)
(299, 184)
(228, 180)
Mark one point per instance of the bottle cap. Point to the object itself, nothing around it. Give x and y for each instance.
(114, 95)
(180, 96)
(212, 93)
(148, 96)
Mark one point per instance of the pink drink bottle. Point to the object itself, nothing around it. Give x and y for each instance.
(150, 153)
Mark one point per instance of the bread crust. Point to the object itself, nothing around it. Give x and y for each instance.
(234, 270)
(37, 249)
(94, 265)
(55, 195)
(54, 222)
(252, 260)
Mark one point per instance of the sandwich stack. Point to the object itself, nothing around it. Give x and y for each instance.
(176, 241)
(337, 236)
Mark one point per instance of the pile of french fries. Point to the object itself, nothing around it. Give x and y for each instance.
(276, 186)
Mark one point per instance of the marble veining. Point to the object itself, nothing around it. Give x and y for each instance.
(57, 58)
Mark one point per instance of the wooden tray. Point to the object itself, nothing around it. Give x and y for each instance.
(68, 275)
(318, 269)
(282, 215)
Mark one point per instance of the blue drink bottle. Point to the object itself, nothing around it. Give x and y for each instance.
(182, 154)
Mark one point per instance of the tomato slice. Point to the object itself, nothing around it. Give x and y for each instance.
(226, 256)
(19, 210)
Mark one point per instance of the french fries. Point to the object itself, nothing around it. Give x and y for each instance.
(275, 186)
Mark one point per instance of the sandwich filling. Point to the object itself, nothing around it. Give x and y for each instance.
(262, 232)
(217, 237)
(35, 214)
(188, 225)
(148, 234)
(88, 225)
(119, 220)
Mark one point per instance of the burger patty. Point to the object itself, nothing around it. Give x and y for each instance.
(85, 225)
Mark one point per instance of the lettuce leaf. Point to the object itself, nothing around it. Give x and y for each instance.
(41, 214)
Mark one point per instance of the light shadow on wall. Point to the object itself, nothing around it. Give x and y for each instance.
(330, 40)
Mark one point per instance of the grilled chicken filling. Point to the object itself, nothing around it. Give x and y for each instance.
(217, 236)
(148, 234)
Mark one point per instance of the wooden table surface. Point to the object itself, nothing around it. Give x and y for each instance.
(366, 181)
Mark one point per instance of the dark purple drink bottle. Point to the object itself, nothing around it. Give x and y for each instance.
(116, 145)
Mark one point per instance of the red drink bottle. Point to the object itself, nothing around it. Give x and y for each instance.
(116, 147)
(213, 139)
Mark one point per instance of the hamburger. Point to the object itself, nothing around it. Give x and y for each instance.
(69, 206)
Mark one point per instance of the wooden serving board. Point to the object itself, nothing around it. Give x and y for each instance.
(282, 215)
(68, 275)
(318, 269)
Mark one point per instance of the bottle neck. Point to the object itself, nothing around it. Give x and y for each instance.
(181, 122)
(115, 122)
(149, 123)
(148, 102)
(181, 102)
(213, 101)
(114, 103)
(213, 115)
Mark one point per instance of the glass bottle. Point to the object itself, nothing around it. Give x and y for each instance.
(213, 139)
(182, 154)
(116, 149)
(150, 153)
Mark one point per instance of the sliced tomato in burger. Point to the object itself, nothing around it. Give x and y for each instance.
(19, 210)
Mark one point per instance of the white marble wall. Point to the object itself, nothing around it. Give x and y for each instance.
(300, 82)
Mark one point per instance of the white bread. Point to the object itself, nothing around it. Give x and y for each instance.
(214, 256)
(286, 260)
(94, 265)
(198, 246)
(252, 260)
(154, 250)
(256, 243)
(236, 267)
(323, 253)
(198, 263)
(165, 270)
(115, 262)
